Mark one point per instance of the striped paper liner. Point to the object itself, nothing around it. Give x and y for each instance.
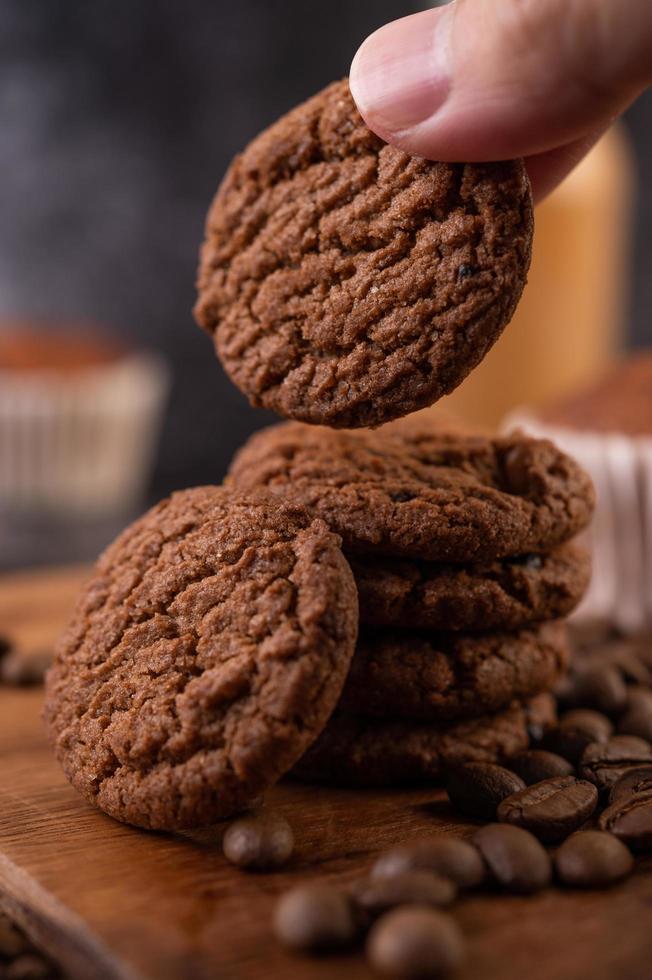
(80, 443)
(620, 536)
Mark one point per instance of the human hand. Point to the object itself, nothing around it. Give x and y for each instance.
(492, 79)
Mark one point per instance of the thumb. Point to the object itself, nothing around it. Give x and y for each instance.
(491, 79)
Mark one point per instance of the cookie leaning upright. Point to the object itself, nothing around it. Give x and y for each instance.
(204, 656)
(347, 283)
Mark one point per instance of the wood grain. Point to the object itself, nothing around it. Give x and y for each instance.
(112, 902)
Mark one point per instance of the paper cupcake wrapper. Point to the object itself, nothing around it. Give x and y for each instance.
(80, 444)
(620, 535)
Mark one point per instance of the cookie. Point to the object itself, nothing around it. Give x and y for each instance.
(345, 282)
(353, 751)
(204, 656)
(430, 495)
(438, 677)
(502, 594)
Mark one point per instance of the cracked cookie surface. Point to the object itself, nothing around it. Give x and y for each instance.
(504, 594)
(438, 677)
(426, 495)
(355, 751)
(204, 656)
(347, 283)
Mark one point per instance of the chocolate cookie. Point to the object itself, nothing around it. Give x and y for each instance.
(503, 594)
(428, 495)
(347, 283)
(356, 752)
(203, 657)
(438, 677)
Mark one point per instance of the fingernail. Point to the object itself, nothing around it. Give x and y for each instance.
(401, 73)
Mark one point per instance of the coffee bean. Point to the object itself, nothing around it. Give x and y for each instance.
(593, 724)
(450, 857)
(589, 635)
(629, 818)
(633, 782)
(639, 696)
(315, 918)
(576, 730)
(567, 743)
(564, 691)
(637, 721)
(375, 896)
(415, 943)
(630, 665)
(477, 788)
(637, 717)
(259, 841)
(24, 670)
(514, 857)
(592, 859)
(568, 692)
(643, 649)
(604, 763)
(623, 654)
(534, 765)
(602, 688)
(551, 809)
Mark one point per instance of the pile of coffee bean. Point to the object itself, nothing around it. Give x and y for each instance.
(583, 787)
(398, 908)
(553, 809)
(19, 960)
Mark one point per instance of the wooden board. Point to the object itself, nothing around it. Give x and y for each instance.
(112, 902)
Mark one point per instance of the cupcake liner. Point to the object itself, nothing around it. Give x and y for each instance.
(646, 491)
(79, 443)
(620, 536)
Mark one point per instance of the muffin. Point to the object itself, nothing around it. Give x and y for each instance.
(607, 427)
(79, 417)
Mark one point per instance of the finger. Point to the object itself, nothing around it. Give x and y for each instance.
(490, 79)
(547, 170)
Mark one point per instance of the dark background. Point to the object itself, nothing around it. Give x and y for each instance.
(117, 120)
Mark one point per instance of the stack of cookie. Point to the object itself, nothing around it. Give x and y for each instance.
(214, 648)
(462, 554)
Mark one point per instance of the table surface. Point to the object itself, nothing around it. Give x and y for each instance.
(110, 901)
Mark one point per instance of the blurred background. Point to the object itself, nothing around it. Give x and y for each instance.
(118, 120)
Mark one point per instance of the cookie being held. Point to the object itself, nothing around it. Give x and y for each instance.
(347, 283)
(204, 656)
